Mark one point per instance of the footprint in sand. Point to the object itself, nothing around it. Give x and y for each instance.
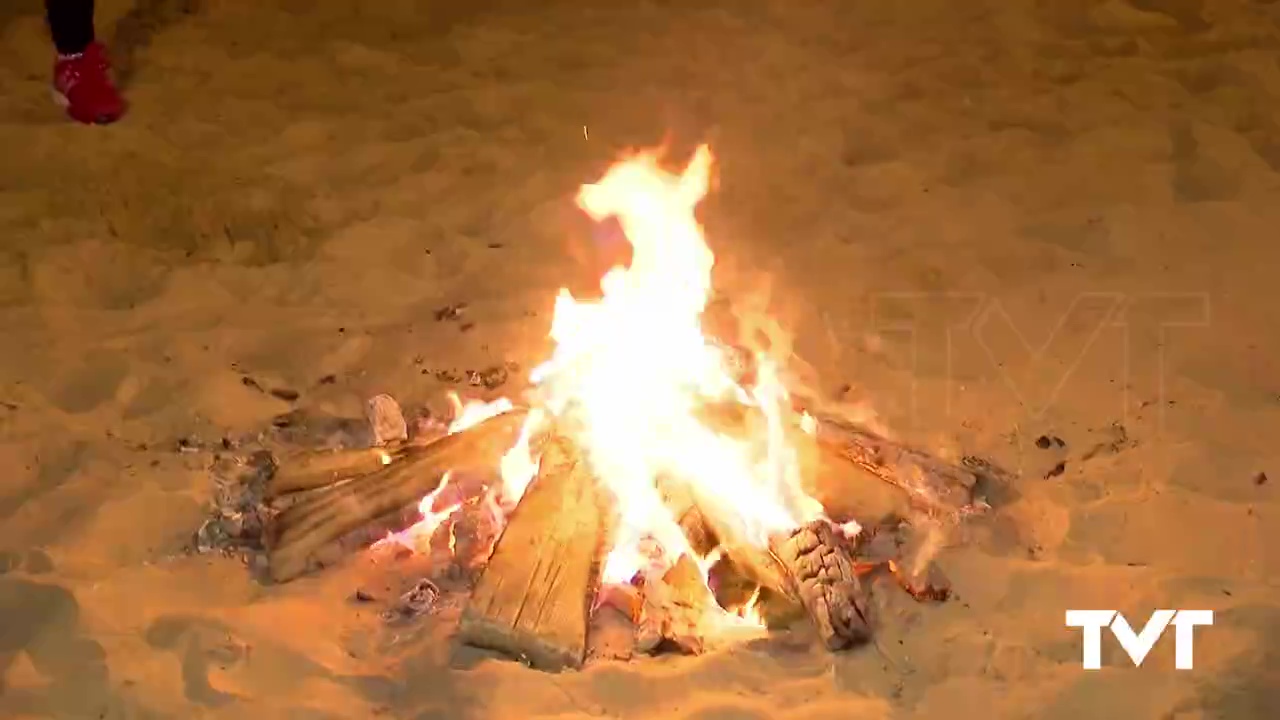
(201, 645)
(1222, 472)
(1197, 176)
(96, 274)
(219, 668)
(1187, 14)
(90, 384)
(1234, 90)
(56, 469)
(48, 667)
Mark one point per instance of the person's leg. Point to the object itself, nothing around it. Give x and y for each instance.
(81, 74)
(71, 24)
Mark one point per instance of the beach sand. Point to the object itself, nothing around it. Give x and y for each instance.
(991, 220)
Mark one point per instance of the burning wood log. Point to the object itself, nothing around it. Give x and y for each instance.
(931, 484)
(533, 599)
(707, 531)
(311, 470)
(825, 578)
(679, 500)
(298, 534)
(674, 611)
(756, 564)
(612, 632)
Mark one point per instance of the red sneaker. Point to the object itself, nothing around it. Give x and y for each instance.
(82, 85)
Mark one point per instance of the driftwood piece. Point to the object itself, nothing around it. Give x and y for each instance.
(675, 611)
(386, 420)
(533, 599)
(825, 578)
(308, 470)
(931, 484)
(297, 535)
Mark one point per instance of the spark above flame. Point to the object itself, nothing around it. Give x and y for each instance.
(631, 373)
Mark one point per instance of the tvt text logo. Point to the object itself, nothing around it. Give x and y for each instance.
(1138, 645)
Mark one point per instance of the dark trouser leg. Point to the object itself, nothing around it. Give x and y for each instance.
(71, 23)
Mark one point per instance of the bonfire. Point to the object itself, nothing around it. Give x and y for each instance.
(647, 465)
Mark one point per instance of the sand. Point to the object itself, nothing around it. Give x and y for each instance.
(991, 220)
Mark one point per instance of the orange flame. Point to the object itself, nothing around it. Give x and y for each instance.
(418, 536)
(630, 373)
(631, 370)
(750, 610)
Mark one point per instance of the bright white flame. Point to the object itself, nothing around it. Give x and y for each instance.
(474, 412)
(631, 376)
(631, 372)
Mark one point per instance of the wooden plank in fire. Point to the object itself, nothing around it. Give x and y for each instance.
(930, 483)
(302, 533)
(533, 599)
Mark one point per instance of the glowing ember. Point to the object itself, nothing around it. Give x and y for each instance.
(518, 470)
(850, 529)
(628, 377)
(418, 536)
